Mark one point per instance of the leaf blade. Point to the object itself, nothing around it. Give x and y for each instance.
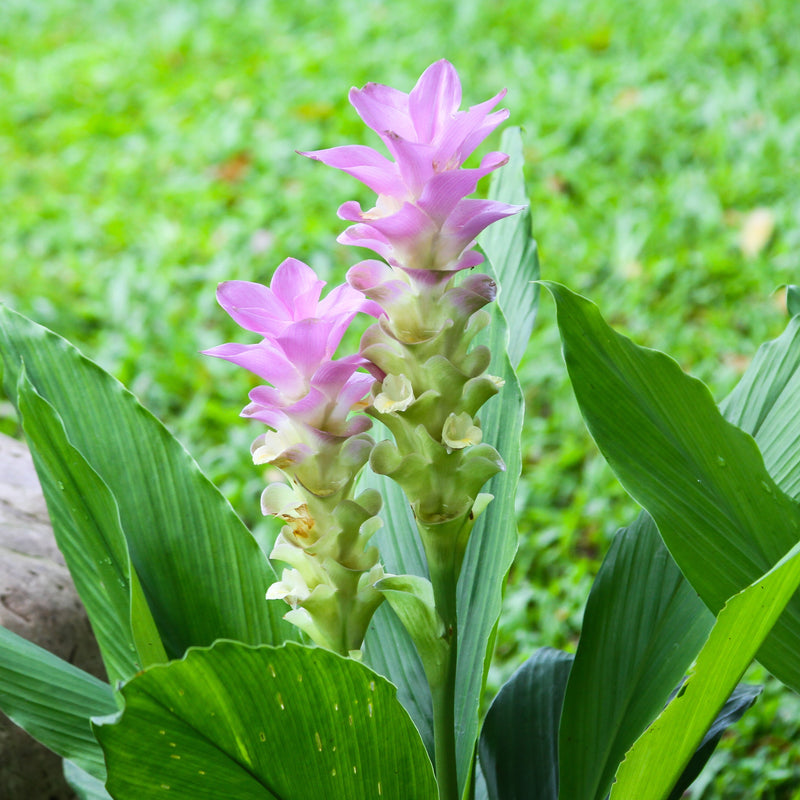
(717, 508)
(53, 700)
(202, 572)
(216, 724)
(741, 627)
(642, 628)
(519, 739)
(88, 533)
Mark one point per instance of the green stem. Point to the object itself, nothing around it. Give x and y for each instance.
(444, 693)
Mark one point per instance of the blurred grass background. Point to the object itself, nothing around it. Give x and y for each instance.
(147, 152)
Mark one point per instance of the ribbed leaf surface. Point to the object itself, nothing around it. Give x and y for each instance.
(253, 723)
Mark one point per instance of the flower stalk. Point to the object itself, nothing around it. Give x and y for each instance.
(427, 381)
(318, 445)
(431, 378)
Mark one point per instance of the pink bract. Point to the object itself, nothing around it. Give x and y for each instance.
(421, 220)
(301, 334)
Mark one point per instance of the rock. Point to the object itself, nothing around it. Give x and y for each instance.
(38, 601)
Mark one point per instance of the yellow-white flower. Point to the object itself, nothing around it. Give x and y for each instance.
(460, 431)
(396, 394)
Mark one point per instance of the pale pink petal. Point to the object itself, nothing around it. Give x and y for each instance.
(355, 389)
(366, 236)
(297, 286)
(332, 376)
(312, 408)
(379, 282)
(484, 129)
(270, 397)
(471, 216)
(368, 274)
(383, 109)
(408, 223)
(465, 131)
(414, 160)
(273, 417)
(469, 259)
(474, 293)
(264, 360)
(342, 301)
(253, 306)
(434, 100)
(307, 344)
(365, 164)
(446, 189)
(357, 424)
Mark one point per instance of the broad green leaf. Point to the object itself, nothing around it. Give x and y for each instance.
(741, 699)
(642, 628)
(53, 700)
(519, 740)
(764, 403)
(202, 573)
(85, 786)
(703, 480)
(251, 723)
(88, 533)
(511, 249)
(655, 762)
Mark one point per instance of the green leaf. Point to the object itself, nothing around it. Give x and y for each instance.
(702, 479)
(764, 403)
(519, 739)
(642, 628)
(490, 552)
(655, 762)
(85, 786)
(263, 722)
(793, 300)
(411, 598)
(53, 700)
(741, 699)
(512, 250)
(88, 533)
(202, 573)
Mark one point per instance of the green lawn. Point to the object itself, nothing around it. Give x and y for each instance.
(147, 152)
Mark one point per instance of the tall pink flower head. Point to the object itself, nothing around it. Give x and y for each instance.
(422, 219)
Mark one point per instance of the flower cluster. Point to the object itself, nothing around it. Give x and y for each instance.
(422, 219)
(315, 442)
(425, 378)
(431, 384)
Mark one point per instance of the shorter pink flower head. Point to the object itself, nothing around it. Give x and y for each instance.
(421, 220)
(309, 389)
